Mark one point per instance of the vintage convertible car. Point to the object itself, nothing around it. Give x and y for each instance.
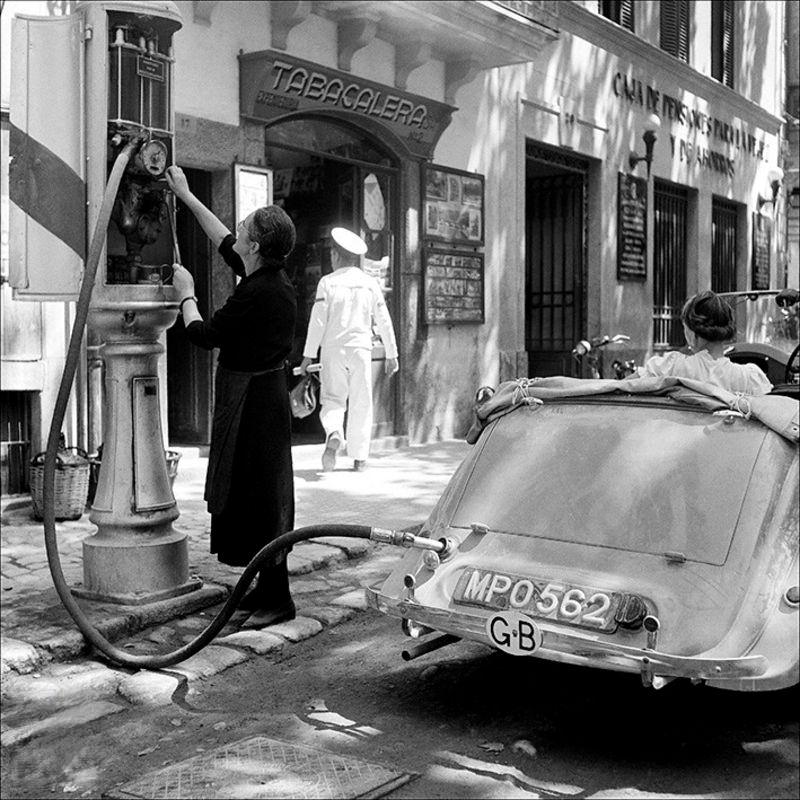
(648, 525)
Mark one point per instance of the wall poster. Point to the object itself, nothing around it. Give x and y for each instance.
(631, 228)
(454, 206)
(762, 230)
(453, 286)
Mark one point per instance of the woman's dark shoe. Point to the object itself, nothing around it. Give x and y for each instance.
(270, 596)
(272, 616)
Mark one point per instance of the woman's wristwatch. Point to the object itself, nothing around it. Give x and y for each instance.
(186, 300)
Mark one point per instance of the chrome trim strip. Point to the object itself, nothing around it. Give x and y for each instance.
(577, 646)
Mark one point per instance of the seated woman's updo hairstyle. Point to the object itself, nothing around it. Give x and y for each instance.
(274, 231)
(709, 316)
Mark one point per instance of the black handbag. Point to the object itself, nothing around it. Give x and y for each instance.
(304, 396)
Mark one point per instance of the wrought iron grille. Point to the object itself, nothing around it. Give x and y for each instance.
(15, 442)
(724, 235)
(669, 264)
(554, 263)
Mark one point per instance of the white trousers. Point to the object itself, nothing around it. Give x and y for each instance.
(346, 382)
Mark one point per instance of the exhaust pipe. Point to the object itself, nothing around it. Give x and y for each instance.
(417, 650)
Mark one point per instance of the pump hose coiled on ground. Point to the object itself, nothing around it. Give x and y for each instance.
(266, 554)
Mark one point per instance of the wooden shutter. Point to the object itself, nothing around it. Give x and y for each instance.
(675, 28)
(727, 43)
(626, 14)
(619, 11)
(722, 39)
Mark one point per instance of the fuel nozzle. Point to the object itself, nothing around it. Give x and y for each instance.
(406, 539)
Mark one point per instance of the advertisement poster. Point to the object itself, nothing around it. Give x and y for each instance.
(454, 206)
(453, 287)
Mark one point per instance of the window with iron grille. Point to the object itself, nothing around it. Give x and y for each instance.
(723, 245)
(15, 442)
(670, 210)
(722, 41)
(619, 11)
(675, 28)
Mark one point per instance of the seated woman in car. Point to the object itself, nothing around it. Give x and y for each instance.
(708, 325)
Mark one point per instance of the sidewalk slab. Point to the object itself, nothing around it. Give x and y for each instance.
(18, 656)
(148, 688)
(208, 662)
(66, 721)
(297, 629)
(259, 641)
(329, 616)
(62, 685)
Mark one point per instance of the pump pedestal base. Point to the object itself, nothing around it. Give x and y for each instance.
(135, 568)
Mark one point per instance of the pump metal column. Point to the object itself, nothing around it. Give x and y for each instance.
(136, 556)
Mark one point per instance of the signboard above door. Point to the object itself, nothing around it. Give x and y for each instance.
(274, 84)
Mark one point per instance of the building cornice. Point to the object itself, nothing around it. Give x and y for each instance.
(594, 28)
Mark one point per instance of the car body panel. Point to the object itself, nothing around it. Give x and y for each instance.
(649, 485)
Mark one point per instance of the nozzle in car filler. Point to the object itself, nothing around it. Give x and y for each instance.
(406, 539)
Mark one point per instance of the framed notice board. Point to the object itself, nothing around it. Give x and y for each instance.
(631, 228)
(762, 230)
(454, 206)
(252, 189)
(453, 291)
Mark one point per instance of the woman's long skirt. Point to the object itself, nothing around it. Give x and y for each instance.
(250, 482)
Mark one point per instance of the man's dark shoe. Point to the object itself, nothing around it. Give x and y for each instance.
(332, 446)
(359, 466)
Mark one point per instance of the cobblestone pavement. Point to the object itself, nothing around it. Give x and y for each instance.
(50, 682)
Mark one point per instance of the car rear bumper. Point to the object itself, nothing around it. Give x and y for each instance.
(577, 647)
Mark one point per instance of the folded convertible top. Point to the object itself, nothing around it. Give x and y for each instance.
(777, 412)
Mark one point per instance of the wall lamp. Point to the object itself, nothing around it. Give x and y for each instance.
(774, 178)
(651, 126)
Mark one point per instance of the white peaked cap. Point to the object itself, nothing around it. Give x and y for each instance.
(349, 241)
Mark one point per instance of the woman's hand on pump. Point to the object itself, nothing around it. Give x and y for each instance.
(183, 281)
(178, 183)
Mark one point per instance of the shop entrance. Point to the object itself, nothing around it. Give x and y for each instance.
(555, 271)
(326, 174)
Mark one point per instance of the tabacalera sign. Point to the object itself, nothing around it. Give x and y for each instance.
(273, 84)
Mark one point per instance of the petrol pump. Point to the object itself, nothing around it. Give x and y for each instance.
(118, 57)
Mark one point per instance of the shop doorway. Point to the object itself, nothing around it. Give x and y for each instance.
(326, 174)
(189, 368)
(555, 271)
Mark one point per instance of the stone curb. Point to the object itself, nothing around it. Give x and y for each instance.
(18, 656)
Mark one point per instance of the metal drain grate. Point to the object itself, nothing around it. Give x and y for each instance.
(265, 768)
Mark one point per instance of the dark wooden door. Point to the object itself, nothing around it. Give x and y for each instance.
(189, 385)
(554, 247)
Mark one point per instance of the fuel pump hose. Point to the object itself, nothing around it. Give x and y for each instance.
(93, 636)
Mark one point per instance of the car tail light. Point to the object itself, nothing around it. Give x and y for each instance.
(792, 595)
(631, 612)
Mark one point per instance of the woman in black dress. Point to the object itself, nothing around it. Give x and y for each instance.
(249, 484)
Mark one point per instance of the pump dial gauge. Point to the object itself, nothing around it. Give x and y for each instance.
(153, 156)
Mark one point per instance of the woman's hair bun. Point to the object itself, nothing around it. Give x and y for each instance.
(274, 231)
(709, 316)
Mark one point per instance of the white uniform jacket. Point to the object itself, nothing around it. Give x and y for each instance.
(346, 303)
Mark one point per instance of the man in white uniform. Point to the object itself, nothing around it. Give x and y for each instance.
(347, 302)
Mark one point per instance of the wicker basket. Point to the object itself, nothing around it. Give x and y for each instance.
(71, 483)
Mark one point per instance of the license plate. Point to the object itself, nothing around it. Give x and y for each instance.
(538, 597)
